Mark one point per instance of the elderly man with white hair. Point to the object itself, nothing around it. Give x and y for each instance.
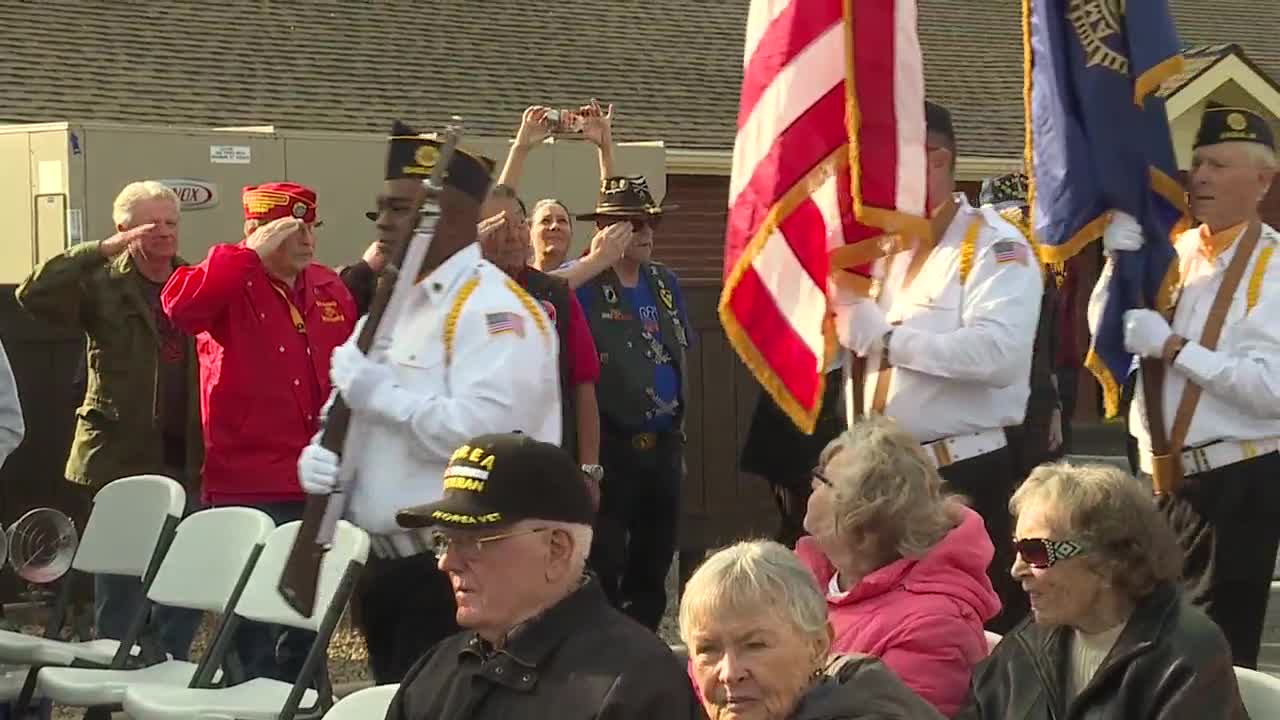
(141, 411)
(512, 531)
(1221, 384)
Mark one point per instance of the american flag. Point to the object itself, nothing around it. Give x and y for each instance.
(501, 322)
(828, 161)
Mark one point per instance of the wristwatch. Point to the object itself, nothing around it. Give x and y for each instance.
(595, 472)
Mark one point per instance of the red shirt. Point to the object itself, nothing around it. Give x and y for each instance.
(584, 362)
(263, 379)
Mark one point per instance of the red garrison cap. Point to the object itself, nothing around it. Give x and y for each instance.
(271, 201)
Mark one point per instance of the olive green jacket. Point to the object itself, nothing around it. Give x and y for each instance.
(118, 429)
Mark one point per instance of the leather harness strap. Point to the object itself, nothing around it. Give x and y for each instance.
(1167, 470)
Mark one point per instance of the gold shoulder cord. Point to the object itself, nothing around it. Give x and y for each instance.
(530, 305)
(1255, 280)
(967, 248)
(451, 320)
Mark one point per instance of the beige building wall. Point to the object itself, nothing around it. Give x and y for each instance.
(346, 169)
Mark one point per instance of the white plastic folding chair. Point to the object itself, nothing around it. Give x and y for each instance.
(1260, 693)
(129, 530)
(993, 639)
(263, 698)
(367, 704)
(206, 568)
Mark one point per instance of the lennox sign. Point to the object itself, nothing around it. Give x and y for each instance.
(193, 194)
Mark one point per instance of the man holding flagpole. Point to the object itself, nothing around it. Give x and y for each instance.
(1222, 357)
(946, 348)
(470, 353)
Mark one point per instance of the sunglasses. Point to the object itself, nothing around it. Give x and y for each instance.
(1041, 553)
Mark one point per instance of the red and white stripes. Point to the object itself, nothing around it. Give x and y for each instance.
(829, 154)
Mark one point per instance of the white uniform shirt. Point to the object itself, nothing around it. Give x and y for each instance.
(962, 354)
(502, 375)
(12, 427)
(1241, 380)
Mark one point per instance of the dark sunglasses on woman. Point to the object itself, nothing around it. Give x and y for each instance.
(1042, 553)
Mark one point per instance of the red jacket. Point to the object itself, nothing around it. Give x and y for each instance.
(262, 382)
(922, 617)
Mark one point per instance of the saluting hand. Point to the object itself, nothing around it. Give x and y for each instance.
(613, 241)
(124, 240)
(375, 256)
(266, 238)
(490, 225)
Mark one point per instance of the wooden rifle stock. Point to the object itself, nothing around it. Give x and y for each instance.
(301, 576)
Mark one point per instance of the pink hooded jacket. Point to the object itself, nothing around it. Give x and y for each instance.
(922, 617)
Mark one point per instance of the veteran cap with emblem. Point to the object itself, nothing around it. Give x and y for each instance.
(626, 196)
(1004, 191)
(503, 478)
(413, 155)
(272, 201)
(1220, 124)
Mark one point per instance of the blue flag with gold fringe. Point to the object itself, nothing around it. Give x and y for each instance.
(1098, 140)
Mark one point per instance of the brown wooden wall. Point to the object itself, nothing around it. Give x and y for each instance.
(719, 504)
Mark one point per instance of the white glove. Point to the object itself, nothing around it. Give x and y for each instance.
(357, 377)
(861, 326)
(1123, 233)
(1145, 333)
(317, 470)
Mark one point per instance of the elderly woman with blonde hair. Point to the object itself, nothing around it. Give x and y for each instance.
(902, 563)
(1109, 635)
(755, 624)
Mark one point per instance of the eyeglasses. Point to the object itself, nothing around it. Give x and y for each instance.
(1042, 553)
(471, 547)
(821, 477)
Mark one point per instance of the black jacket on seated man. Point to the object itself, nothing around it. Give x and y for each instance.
(1169, 663)
(580, 659)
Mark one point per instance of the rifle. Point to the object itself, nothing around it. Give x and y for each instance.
(320, 516)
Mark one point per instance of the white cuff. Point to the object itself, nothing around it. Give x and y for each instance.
(1198, 363)
(392, 402)
(904, 344)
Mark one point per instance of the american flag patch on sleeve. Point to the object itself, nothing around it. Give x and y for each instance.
(1008, 251)
(501, 322)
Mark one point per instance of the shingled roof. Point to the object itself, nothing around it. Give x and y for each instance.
(672, 66)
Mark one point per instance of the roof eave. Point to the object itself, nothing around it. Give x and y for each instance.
(690, 161)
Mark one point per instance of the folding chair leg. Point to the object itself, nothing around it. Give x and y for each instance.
(23, 702)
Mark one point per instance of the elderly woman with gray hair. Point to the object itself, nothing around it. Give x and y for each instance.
(902, 563)
(1110, 635)
(755, 624)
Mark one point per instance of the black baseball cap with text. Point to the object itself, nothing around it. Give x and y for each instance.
(500, 479)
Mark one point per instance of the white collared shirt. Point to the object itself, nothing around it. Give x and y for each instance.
(1241, 380)
(962, 354)
(501, 375)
